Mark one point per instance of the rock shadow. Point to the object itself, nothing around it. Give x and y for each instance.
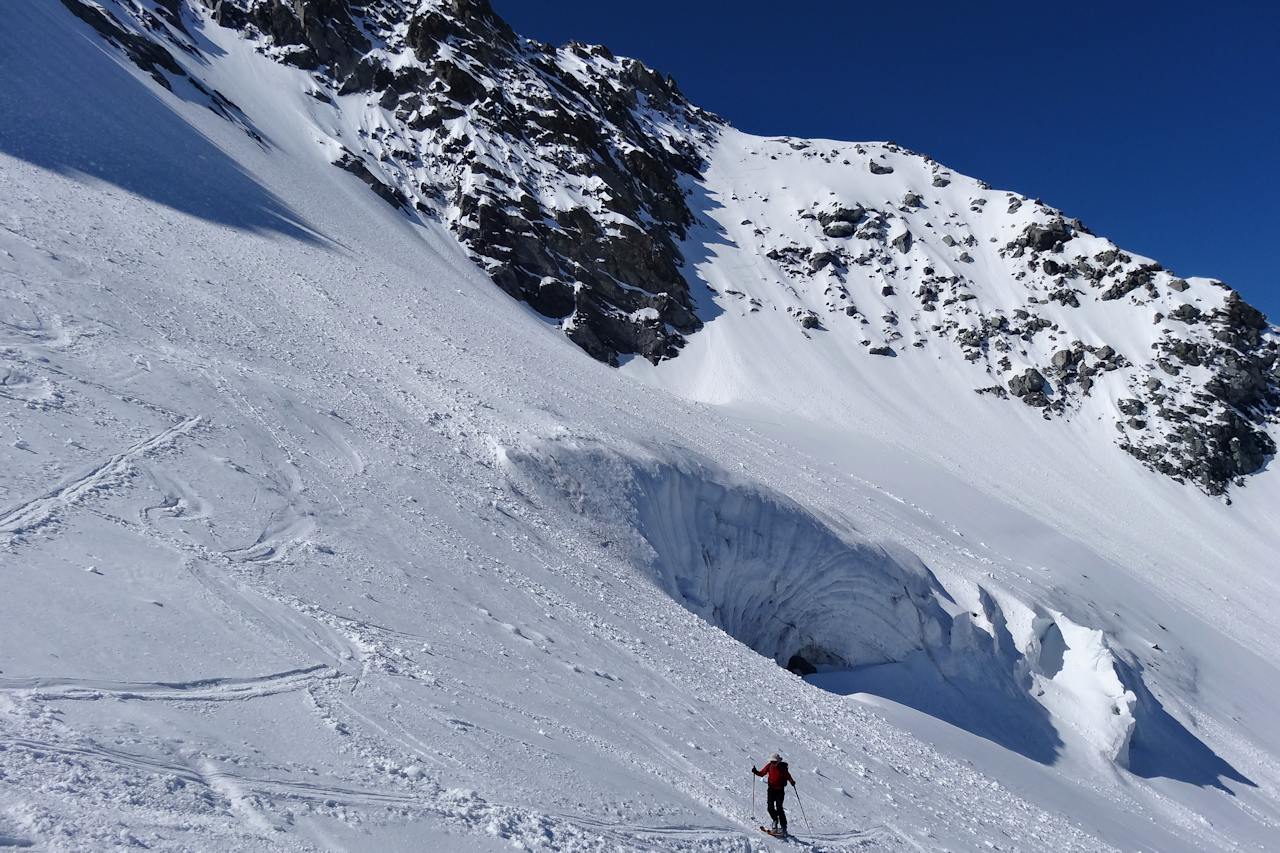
(699, 246)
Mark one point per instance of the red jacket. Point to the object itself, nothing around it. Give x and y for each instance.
(777, 772)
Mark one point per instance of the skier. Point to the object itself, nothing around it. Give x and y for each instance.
(778, 777)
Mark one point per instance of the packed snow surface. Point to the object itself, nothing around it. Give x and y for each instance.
(313, 539)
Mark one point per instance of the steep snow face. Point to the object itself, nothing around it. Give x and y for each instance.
(573, 176)
(894, 264)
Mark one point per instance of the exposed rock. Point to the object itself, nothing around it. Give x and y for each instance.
(1187, 352)
(809, 320)
(348, 162)
(819, 260)
(1242, 382)
(1134, 279)
(838, 229)
(144, 53)
(1066, 296)
(842, 214)
(1238, 323)
(1036, 398)
(878, 168)
(1042, 237)
(1028, 382)
(882, 350)
(1065, 358)
(1131, 406)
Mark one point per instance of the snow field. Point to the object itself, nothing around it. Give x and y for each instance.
(311, 540)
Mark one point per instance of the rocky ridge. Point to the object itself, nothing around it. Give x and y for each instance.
(557, 168)
(569, 176)
(893, 250)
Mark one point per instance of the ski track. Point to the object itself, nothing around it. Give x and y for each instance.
(200, 690)
(275, 543)
(883, 836)
(181, 502)
(37, 512)
(248, 798)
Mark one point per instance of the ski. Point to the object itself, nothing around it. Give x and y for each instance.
(775, 832)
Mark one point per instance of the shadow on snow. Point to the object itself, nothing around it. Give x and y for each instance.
(700, 245)
(69, 105)
(1163, 747)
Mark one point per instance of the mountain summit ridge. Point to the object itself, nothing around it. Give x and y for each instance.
(574, 177)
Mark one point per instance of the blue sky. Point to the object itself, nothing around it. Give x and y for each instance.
(1158, 124)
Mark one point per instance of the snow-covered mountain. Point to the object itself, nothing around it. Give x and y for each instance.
(573, 178)
(317, 540)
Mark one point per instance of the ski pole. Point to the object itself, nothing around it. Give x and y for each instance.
(753, 796)
(800, 803)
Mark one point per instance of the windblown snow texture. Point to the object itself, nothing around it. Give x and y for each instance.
(313, 539)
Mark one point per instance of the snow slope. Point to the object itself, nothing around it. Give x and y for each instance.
(314, 539)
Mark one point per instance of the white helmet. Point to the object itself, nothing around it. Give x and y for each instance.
(775, 757)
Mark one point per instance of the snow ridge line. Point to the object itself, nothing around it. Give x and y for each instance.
(39, 511)
(205, 689)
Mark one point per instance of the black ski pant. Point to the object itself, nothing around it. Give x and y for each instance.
(776, 812)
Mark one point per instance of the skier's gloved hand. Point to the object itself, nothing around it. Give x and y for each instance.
(753, 769)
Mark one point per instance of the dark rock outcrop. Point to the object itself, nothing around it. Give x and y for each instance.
(470, 92)
(1042, 237)
(1222, 430)
(1030, 381)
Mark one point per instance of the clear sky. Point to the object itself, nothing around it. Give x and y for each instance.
(1157, 123)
